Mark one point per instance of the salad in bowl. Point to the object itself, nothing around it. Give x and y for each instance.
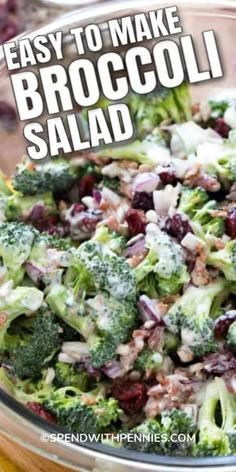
(118, 281)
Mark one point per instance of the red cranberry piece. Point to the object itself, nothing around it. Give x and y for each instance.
(230, 223)
(142, 201)
(136, 222)
(39, 410)
(168, 177)
(12, 5)
(131, 396)
(8, 31)
(222, 128)
(223, 323)
(219, 363)
(178, 227)
(8, 115)
(86, 185)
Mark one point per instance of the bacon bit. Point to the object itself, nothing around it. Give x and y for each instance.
(3, 318)
(136, 260)
(200, 275)
(144, 168)
(126, 190)
(125, 164)
(99, 160)
(207, 182)
(195, 108)
(31, 166)
(104, 205)
(88, 400)
(39, 410)
(157, 339)
(62, 205)
(113, 224)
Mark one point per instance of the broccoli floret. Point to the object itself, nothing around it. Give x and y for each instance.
(82, 412)
(231, 337)
(213, 441)
(111, 183)
(20, 301)
(225, 260)
(112, 240)
(67, 375)
(35, 350)
(210, 224)
(192, 199)
(19, 207)
(228, 412)
(190, 316)
(164, 265)
(114, 321)
(166, 105)
(25, 391)
(16, 240)
(173, 422)
(55, 176)
(148, 361)
(99, 268)
(106, 323)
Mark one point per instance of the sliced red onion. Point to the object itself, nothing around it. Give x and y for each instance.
(113, 370)
(135, 249)
(37, 212)
(148, 310)
(34, 272)
(146, 182)
(192, 242)
(97, 196)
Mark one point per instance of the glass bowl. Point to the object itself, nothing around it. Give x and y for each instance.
(16, 422)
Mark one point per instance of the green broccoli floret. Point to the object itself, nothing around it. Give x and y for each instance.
(163, 267)
(166, 105)
(213, 441)
(213, 225)
(19, 207)
(99, 268)
(16, 240)
(220, 105)
(231, 337)
(82, 412)
(192, 199)
(143, 152)
(20, 301)
(106, 323)
(112, 240)
(55, 176)
(114, 321)
(173, 422)
(148, 361)
(228, 412)
(190, 316)
(225, 260)
(111, 183)
(36, 349)
(25, 391)
(67, 375)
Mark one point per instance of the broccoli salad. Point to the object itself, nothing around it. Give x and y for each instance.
(118, 281)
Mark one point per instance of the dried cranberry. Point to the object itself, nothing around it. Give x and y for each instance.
(8, 31)
(86, 185)
(230, 223)
(218, 363)
(45, 224)
(77, 208)
(131, 396)
(136, 222)
(39, 410)
(168, 177)
(12, 6)
(60, 230)
(143, 201)
(222, 128)
(223, 323)
(8, 115)
(178, 226)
